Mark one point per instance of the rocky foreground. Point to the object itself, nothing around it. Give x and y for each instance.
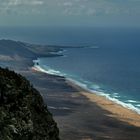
(23, 115)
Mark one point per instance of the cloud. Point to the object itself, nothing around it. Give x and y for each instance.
(24, 2)
(71, 7)
(99, 7)
(68, 4)
(20, 6)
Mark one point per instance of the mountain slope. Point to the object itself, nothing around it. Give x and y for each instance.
(23, 115)
(26, 50)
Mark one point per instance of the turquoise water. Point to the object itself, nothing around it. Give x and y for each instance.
(99, 70)
(110, 67)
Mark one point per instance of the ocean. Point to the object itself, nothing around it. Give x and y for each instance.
(108, 63)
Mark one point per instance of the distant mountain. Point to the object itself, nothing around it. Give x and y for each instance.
(9, 47)
(26, 50)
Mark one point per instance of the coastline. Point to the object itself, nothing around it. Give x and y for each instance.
(116, 110)
(77, 114)
(84, 86)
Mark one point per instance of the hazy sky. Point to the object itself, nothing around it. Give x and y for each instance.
(70, 12)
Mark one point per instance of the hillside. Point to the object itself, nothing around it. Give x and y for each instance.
(23, 115)
(26, 50)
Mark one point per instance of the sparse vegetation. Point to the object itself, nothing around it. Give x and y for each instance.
(23, 115)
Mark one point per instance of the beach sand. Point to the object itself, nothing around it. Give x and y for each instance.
(82, 115)
(117, 111)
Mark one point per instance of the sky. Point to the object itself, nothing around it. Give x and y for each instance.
(70, 13)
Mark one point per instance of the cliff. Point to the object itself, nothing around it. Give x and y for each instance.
(23, 115)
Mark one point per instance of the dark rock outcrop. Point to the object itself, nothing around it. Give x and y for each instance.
(23, 115)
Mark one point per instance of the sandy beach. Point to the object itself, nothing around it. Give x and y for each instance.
(82, 115)
(117, 111)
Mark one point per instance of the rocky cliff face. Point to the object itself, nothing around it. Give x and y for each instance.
(23, 115)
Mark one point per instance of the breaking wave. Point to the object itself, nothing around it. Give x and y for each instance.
(93, 88)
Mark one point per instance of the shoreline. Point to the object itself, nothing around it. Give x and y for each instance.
(116, 110)
(38, 68)
(79, 114)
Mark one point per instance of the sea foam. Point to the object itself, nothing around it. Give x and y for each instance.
(95, 88)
